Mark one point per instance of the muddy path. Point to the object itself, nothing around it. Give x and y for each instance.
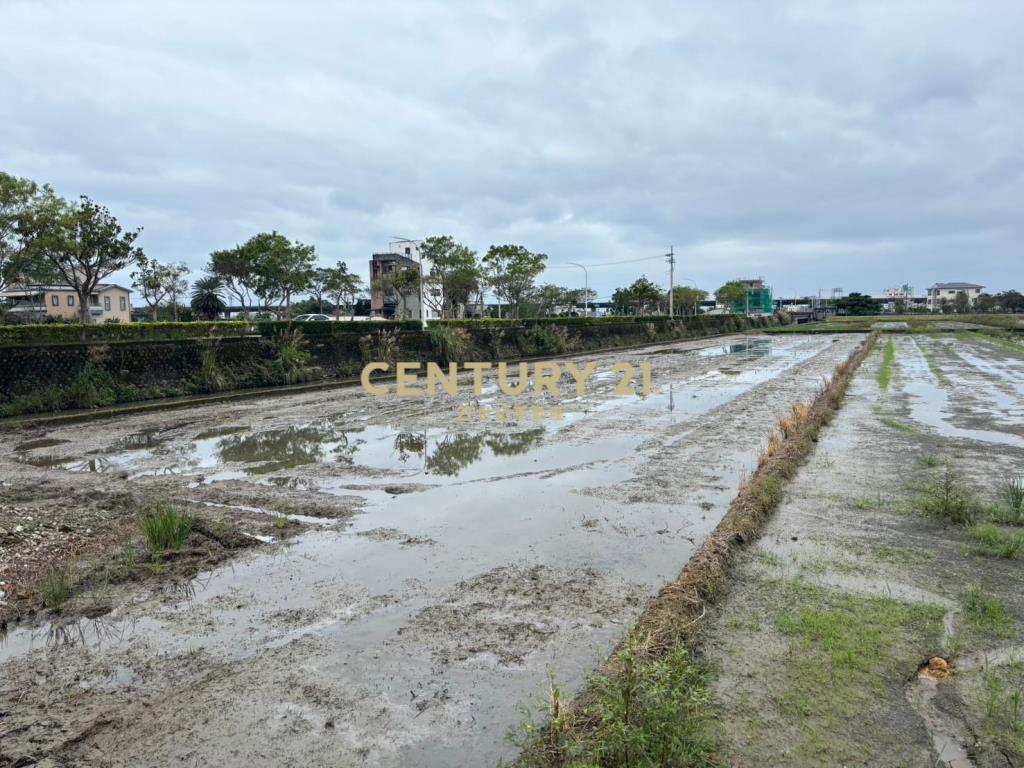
(824, 646)
(442, 569)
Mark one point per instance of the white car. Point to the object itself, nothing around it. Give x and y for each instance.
(312, 319)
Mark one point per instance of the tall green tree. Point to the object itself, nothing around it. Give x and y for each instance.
(961, 303)
(1010, 301)
(511, 270)
(731, 294)
(317, 286)
(82, 243)
(283, 268)
(542, 300)
(157, 282)
(454, 269)
(858, 304)
(21, 201)
(686, 300)
(268, 266)
(343, 287)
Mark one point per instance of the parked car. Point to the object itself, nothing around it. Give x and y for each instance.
(312, 318)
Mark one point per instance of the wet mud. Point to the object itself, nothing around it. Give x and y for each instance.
(439, 569)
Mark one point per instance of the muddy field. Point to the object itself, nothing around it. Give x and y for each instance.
(823, 649)
(411, 578)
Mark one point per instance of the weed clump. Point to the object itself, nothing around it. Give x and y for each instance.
(986, 613)
(995, 541)
(165, 528)
(290, 363)
(949, 498)
(450, 344)
(645, 712)
(56, 587)
(1013, 497)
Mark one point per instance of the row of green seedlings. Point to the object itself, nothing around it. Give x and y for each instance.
(991, 527)
(164, 529)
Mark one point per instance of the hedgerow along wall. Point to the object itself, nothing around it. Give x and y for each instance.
(58, 367)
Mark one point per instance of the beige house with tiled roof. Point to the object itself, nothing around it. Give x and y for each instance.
(36, 302)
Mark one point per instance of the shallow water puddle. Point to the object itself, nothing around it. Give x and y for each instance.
(930, 402)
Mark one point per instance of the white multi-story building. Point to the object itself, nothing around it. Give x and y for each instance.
(403, 254)
(949, 292)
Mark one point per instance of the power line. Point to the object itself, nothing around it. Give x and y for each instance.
(605, 263)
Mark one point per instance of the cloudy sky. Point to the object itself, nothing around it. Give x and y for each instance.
(853, 144)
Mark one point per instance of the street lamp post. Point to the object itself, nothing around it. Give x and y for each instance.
(586, 288)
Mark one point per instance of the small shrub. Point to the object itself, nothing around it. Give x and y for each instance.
(951, 499)
(165, 528)
(92, 388)
(290, 363)
(381, 346)
(449, 343)
(212, 375)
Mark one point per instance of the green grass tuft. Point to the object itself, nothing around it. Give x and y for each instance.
(901, 426)
(645, 714)
(165, 528)
(995, 541)
(986, 613)
(56, 587)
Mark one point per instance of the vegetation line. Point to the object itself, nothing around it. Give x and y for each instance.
(647, 705)
(885, 372)
(999, 341)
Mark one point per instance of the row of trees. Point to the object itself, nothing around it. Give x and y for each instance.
(456, 277)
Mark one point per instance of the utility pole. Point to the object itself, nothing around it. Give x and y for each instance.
(671, 258)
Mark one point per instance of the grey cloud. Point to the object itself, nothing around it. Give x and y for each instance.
(857, 144)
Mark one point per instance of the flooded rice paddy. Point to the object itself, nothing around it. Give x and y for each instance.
(473, 558)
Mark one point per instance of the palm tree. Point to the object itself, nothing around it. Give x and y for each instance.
(206, 297)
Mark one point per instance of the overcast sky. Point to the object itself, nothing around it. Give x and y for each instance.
(818, 144)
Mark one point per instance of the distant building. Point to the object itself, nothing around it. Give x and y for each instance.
(402, 254)
(949, 291)
(758, 300)
(905, 291)
(36, 303)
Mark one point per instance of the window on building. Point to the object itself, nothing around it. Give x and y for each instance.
(55, 300)
(124, 304)
(71, 301)
(408, 251)
(106, 303)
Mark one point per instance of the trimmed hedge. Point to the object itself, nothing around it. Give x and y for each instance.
(74, 333)
(71, 333)
(53, 376)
